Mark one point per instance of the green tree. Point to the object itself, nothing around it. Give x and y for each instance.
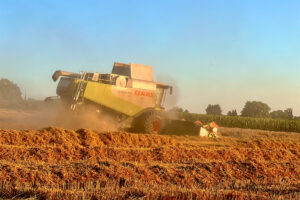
(213, 109)
(289, 112)
(232, 113)
(297, 118)
(9, 92)
(279, 114)
(255, 109)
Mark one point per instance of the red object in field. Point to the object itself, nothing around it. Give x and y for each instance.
(198, 122)
(156, 126)
(213, 125)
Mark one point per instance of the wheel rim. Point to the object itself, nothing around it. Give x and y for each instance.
(156, 126)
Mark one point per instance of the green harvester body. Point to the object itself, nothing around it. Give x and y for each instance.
(129, 91)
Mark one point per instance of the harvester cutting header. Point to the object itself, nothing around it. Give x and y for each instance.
(129, 92)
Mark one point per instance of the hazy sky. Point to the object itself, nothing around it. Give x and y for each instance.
(215, 52)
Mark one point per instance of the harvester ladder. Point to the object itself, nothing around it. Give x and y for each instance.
(78, 91)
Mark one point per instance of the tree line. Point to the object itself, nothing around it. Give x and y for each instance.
(255, 109)
(11, 97)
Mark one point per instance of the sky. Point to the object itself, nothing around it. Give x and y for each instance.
(213, 52)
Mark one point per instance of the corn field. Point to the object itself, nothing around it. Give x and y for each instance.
(246, 122)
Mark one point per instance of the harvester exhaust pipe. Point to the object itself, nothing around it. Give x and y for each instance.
(60, 73)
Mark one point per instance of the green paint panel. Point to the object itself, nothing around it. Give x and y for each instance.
(102, 94)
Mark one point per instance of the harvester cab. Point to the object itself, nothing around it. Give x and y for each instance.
(129, 93)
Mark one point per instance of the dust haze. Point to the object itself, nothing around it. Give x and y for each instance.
(55, 115)
(171, 100)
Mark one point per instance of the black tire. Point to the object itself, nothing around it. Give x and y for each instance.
(150, 122)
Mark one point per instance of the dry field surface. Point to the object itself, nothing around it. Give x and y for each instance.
(56, 163)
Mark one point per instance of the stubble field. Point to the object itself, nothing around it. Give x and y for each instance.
(57, 163)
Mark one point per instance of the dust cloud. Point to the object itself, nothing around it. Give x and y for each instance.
(55, 115)
(171, 100)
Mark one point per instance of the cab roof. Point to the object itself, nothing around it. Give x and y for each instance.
(134, 71)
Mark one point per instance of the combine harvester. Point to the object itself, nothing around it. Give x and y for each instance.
(129, 94)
